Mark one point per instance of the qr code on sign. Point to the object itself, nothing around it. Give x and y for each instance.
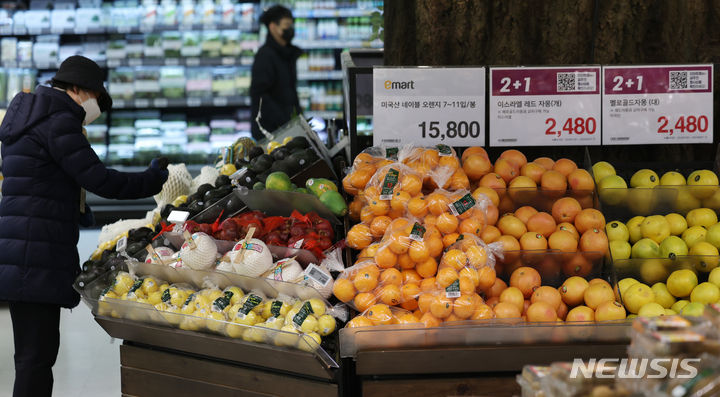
(566, 82)
(678, 80)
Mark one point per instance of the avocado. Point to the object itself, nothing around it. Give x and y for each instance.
(225, 190)
(166, 210)
(195, 207)
(210, 215)
(278, 181)
(193, 197)
(262, 177)
(222, 180)
(139, 234)
(312, 156)
(255, 151)
(299, 159)
(280, 153)
(234, 205)
(261, 163)
(202, 189)
(258, 186)
(133, 248)
(240, 164)
(247, 179)
(335, 202)
(211, 201)
(298, 141)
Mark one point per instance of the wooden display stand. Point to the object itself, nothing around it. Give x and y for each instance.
(471, 370)
(157, 361)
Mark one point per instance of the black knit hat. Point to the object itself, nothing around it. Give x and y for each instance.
(85, 73)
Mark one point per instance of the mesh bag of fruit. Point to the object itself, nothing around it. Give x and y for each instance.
(467, 266)
(439, 165)
(364, 167)
(178, 183)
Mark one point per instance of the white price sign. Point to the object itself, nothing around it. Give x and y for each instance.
(428, 106)
(657, 104)
(539, 106)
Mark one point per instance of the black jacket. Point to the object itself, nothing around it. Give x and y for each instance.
(46, 160)
(274, 79)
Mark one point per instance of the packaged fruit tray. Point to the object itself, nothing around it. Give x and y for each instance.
(632, 189)
(478, 333)
(236, 334)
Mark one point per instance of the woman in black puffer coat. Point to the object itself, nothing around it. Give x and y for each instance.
(47, 162)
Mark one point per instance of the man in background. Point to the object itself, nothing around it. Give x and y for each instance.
(274, 76)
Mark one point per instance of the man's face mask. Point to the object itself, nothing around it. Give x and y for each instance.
(288, 34)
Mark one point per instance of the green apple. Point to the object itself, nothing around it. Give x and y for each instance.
(602, 169)
(617, 231)
(634, 228)
(672, 178)
(703, 183)
(673, 247)
(644, 178)
(612, 189)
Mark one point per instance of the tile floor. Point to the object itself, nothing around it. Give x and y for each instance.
(88, 364)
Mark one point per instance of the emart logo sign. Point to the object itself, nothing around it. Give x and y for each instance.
(399, 85)
(635, 368)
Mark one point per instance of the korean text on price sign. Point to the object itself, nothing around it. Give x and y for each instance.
(545, 106)
(428, 106)
(657, 104)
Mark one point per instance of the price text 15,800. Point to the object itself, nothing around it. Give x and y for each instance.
(453, 129)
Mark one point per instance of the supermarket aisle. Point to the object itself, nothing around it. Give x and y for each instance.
(88, 363)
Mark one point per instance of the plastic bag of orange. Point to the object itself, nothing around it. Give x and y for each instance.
(364, 167)
(453, 212)
(468, 266)
(381, 314)
(440, 306)
(439, 165)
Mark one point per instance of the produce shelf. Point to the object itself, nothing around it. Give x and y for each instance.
(138, 103)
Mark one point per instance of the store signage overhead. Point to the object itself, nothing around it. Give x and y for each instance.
(428, 106)
(657, 104)
(538, 106)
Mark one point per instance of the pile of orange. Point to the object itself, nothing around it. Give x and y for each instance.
(517, 181)
(395, 273)
(576, 300)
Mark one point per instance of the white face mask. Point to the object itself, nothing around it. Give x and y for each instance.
(92, 110)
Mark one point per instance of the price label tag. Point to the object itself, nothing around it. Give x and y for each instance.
(161, 103)
(113, 63)
(220, 101)
(192, 61)
(178, 216)
(119, 103)
(194, 102)
(657, 104)
(135, 62)
(121, 244)
(316, 274)
(172, 61)
(228, 61)
(537, 106)
(124, 29)
(427, 106)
